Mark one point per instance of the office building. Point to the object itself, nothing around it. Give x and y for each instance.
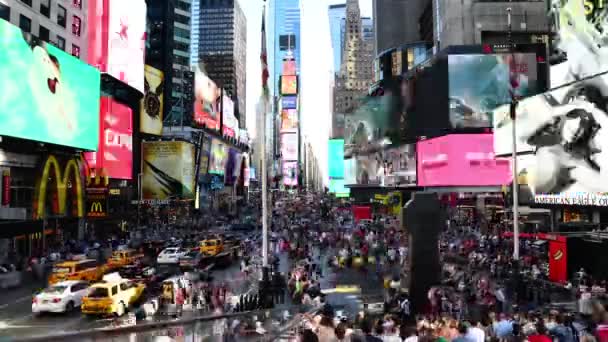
(195, 22)
(222, 48)
(337, 27)
(182, 81)
(61, 23)
(283, 36)
(396, 22)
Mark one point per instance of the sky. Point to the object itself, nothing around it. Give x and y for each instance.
(316, 69)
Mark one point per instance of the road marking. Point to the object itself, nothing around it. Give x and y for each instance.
(18, 300)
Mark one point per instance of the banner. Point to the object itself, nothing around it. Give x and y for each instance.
(290, 173)
(289, 102)
(289, 85)
(168, 170)
(63, 178)
(207, 101)
(151, 114)
(335, 158)
(218, 157)
(400, 166)
(230, 124)
(558, 261)
(289, 146)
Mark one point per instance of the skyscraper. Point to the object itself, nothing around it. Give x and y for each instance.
(181, 92)
(283, 36)
(337, 28)
(222, 48)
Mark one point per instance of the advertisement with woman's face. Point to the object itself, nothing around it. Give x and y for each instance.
(47, 95)
(206, 99)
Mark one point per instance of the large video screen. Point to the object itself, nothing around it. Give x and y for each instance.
(335, 156)
(289, 120)
(461, 160)
(151, 115)
(290, 173)
(289, 146)
(115, 152)
(168, 170)
(478, 83)
(400, 166)
(289, 85)
(47, 94)
(207, 101)
(230, 123)
(565, 129)
(289, 102)
(218, 157)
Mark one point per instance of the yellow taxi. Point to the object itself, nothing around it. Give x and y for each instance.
(112, 296)
(211, 246)
(123, 258)
(86, 269)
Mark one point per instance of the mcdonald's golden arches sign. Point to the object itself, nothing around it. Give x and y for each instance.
(65, 178)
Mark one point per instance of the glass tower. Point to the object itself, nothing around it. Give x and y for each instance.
(283, 35)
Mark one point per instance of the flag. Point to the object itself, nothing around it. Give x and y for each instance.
(264, 60)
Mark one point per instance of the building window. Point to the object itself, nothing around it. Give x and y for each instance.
(27, 2)
(61, 42)
(61, 16)
(25, 23)
(77, 3)
(75, 51)
(76, 25)
(45, 8)
(5, 12)
(43, 33)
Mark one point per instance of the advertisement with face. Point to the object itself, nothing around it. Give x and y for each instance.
(207, 95)
(565, 129)
(289, 85)
(480, 83)
(168, 170)
(115, 152)
(151, 115)
(289, 120)
(290, 173)
(366, 130)
(289, 146)
(47, 94)
(400, 166)
(218, 157)
(461, 160)
(230, 123)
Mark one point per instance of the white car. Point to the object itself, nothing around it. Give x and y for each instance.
(61, 297)
(171, 255)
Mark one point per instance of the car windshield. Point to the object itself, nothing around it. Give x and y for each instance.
(59, 289)
(192, 254)
(98, 292)
(170, 251)
(61, 270)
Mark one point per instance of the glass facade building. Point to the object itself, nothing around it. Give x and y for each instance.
(283, 35)
(337, 28)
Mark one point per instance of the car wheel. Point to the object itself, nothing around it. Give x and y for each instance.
(69, 307)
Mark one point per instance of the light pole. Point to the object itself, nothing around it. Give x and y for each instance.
(513, 114)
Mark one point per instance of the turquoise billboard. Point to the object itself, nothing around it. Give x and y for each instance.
(335, 153)
(47, 94)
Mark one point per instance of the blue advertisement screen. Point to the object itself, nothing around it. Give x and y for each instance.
(289, 102)
(336, 186)
(335, 154)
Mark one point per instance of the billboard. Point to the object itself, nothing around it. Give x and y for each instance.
(205, 152)
(289, 146)
(115, 152)
(564, 129)
(478, 83)
(368, 128)
(336, 186)
(151, 114)
(400, 166)
(230, 166)
(335, 155)
(289, 67)
(289, 85)
(47, 94)
(207, 100)
(461, 160)
(116, 39)
(290, 173)
(218, 157)
(61, 173)
(230, 123)
(168, 170)
(289, 102)
(289, 120)
(350, 171)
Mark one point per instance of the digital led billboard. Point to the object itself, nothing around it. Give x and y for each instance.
(289, 85)
(565, 129)
(400, 166)
(289, 146)
(289, 102)
(207, 100)
(168, 170)
(336, 186)
(230, 123)
(335, 156)
(218, 157)
(289, 120)
(151, 114)
(115, 151)
(47, 94)
(478, 83)
(289, 67)
(290, 173)
(461, 160)
(116, 39)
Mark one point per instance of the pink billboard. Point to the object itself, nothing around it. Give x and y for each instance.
(461, 160)
(115, 152)
(116, 39)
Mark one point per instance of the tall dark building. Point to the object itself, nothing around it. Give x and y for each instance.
(222, 48)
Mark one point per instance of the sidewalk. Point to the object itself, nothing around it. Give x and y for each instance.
(18, 294)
